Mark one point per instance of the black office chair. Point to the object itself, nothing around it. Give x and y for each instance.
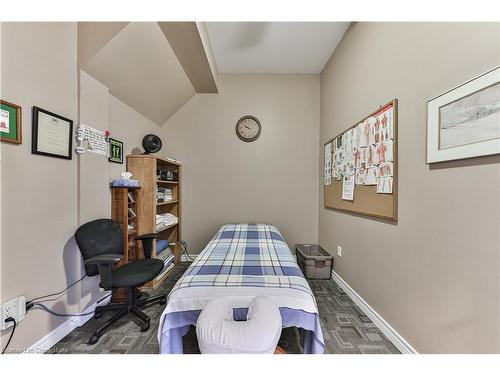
(101, 244)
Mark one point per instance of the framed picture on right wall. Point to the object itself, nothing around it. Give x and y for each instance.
(464, 122)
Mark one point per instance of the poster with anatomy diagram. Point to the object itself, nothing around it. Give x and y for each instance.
(363, 169)
(365, 152)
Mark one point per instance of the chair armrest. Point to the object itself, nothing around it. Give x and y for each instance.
(148, 236)
(105, 264)
(104, 259)
(147, 243)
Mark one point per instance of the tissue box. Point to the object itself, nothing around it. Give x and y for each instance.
(124, 183)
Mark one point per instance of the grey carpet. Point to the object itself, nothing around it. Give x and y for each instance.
(346, 328)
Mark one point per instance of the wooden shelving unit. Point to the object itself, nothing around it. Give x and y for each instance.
(146, 169)
(165, 203)
(124, 203)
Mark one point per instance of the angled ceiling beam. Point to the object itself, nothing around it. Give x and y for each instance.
(93, 36)
(190, 43)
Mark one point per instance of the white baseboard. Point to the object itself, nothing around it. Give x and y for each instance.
(52, 338)
(398, 340)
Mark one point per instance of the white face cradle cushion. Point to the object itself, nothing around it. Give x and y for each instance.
(219, 333)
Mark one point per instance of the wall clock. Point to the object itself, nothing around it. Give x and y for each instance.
(248, 128)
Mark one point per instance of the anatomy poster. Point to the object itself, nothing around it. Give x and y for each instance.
(363, 155)
(348, 188)
(384, 185)
(328, 164)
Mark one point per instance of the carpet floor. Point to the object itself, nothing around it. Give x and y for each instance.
(346, 329)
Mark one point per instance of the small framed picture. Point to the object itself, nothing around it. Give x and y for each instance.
(465, 121)
(10, 122)
(51, 134)
(115, 151)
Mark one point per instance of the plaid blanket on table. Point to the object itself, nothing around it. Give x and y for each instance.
(242, 261)
(253, 255)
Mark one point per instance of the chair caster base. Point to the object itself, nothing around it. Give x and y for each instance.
(145, 327)
(93, 339)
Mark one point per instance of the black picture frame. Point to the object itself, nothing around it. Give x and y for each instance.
(34, 134)
(115, 143)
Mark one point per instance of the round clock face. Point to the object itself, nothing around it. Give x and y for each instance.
(248, 128)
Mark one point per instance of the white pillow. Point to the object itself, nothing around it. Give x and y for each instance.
(219, 333)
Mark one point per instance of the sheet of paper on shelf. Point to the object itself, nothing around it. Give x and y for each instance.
(348, 188)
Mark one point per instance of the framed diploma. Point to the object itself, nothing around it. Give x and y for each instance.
(51, 134)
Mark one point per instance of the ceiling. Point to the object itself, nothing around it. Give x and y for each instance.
(156, 68)
(140, 68)
(274, 47)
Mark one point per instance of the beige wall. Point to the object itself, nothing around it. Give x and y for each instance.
(39, 193)
(128, 126)
(100, 110)
(435, 275)
(44, 199)
(272, 180)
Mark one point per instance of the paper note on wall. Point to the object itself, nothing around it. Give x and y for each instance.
(348, 188)
(328, 164)
(92, 140)
(384, 185)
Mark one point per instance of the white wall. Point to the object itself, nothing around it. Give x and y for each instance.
(272, 180)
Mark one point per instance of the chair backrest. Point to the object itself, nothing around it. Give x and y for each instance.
(102, 236)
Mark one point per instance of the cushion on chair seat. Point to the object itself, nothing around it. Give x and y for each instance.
(136, 273)
(219, 333)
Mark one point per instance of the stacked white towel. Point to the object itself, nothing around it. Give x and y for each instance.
(165, 220)
(164, 194)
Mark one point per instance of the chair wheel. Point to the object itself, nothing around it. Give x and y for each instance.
(97, 315)
(93, 339)
(163, 301)
(146, 326)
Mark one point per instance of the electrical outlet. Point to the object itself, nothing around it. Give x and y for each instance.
(339, 251)
(13, 308)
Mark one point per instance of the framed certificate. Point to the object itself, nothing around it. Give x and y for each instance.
(51, 134)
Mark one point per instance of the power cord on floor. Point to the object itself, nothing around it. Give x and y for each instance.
(184, 247)
(45, 308)
(10, 319)
(55, 294)
(31, 304)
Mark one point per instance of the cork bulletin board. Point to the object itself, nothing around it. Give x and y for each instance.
(366, 154)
